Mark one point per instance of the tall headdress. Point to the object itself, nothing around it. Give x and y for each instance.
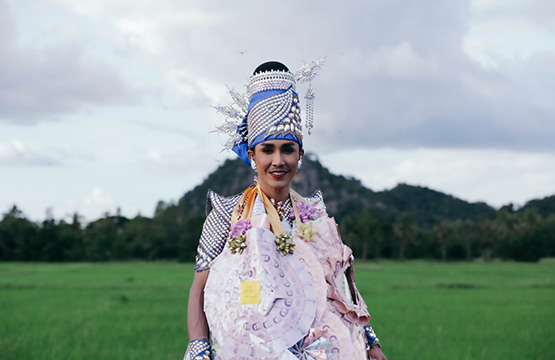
(270, 109)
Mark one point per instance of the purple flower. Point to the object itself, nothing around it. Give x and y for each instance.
(307, 212)
(240, 227)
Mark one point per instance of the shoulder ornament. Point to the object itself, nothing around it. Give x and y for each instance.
(223, 205)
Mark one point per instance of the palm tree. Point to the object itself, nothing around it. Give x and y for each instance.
(405, 231)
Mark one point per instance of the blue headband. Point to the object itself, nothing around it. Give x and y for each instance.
(271, 115)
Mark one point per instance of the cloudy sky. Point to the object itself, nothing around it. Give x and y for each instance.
(106, 104)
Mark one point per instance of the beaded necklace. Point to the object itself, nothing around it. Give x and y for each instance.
(283, 208)
(241, 221)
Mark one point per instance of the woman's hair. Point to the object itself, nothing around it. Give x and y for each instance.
(270, 65)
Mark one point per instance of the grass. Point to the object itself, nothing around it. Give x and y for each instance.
(100, 311)
(462, 311)
(137, 310)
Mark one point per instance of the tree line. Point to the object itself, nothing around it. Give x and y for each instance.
(112, 237)
(172, 233)
(510, 235)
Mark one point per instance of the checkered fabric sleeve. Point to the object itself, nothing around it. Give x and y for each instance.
(318, 198)
(215, 228)
(198, 350)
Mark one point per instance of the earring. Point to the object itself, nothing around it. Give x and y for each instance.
(300, 163)
(253, 164)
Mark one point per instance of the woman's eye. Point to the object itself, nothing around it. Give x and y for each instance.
(267, 151)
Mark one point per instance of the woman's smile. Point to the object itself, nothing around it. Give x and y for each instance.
(276, 163)
(278, 174)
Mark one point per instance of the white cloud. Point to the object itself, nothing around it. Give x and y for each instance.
(160, 126)
(400, 75)
(493, 176)
(98, 197)
(44, 83)
(403, 62)
(138, 33)
(96, 204)
(177, 162)
(15, 153)
(188, 86)
(169, 162)
(501, 31)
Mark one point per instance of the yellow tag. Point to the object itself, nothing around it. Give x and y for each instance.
(250, 292)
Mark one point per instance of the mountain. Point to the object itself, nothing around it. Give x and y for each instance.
(344, 196)
(429, 207)
(393, 223)
(543, 207)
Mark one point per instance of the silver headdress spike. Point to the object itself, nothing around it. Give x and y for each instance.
(234, 113)
(308, 72)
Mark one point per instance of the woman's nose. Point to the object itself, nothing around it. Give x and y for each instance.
(277, 159)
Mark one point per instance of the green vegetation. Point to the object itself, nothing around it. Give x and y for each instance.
(407, 222)
(461, 311)
(93, 311)
(137, 310)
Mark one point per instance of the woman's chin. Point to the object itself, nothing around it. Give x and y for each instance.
(275, 184)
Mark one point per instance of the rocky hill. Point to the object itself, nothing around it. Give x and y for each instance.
(343, 195)
(544, 207)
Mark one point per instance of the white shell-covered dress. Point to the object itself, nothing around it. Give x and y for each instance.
(261, 304)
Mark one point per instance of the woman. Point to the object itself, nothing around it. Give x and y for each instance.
(273, 279)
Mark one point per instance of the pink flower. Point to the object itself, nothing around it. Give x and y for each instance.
(307, 212)
(240, 227)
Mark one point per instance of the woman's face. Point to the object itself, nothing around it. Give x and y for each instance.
(276, 163)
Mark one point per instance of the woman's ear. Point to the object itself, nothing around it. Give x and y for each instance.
(301, 152)
(250, 154)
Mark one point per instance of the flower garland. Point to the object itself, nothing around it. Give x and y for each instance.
(236, 239)
(307, 213)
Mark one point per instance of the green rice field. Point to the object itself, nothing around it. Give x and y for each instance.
(137, 310)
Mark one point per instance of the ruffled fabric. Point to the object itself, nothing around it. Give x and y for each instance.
(339, 320)
(336, 260)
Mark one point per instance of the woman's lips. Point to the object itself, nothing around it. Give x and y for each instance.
(278, 174)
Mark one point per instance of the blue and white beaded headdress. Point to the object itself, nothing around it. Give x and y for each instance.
(270, 109)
